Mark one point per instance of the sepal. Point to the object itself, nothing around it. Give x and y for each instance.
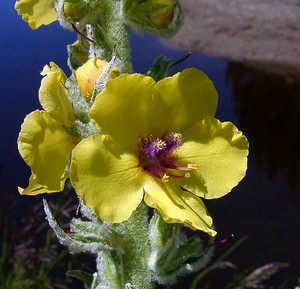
(173, 253)
(85, 277)
(160, 68)
(80, 241)
(80, 105)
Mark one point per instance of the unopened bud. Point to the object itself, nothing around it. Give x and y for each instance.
(74, 10)
(88, 74)
(162, 13)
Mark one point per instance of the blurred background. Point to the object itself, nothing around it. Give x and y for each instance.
(254, 63)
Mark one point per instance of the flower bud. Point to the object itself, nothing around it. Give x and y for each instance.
(88, 74)
(161, 17)
(162, 13)
(74, 10)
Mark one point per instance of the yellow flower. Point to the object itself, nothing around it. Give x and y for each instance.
(43, 141)
(161, 144)
(36, 12)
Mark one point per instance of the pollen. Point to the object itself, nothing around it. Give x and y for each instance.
(165, 178)
(160, 144)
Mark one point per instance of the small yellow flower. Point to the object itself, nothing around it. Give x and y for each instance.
(36, 12)
(161, 144)
(88, 74)
(43, 141)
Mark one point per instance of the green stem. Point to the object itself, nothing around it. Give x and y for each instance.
(118, 33)
(127, 266)
(111, 36)
(136, 258)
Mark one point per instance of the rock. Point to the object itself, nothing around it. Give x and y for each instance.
(260, 32)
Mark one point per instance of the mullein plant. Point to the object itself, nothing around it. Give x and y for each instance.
(141, 151)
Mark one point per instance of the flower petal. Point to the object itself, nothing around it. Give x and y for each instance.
(106, 178)
(53, 95)
(220, 152)
(177, 206)
(88, 74)
(181, 100)
(34, 188)
(122, 108)
(36, 12)
(46, 147)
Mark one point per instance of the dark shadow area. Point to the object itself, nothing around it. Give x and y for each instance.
(268, 108)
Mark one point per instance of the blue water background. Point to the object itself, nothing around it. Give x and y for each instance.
(258, 207)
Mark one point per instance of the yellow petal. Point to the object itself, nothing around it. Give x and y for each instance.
(181, 100)
(219, 151)
(46, 147)
(122, 108)
(88, 74)
(36, 12)
(106, 178)
(34, 188)
(53, 95)
(177, 206)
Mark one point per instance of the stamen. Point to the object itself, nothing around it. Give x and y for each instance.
(169, 174)
(192, 166)
(165, 178)
(157, 157)
(171, 166)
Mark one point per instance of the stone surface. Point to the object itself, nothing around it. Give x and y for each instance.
(264, 32)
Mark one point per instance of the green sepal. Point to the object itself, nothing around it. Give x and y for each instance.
(85, 277)
(101, 82)
(73, 240)
(173, 253)
(80, 106)
(160, 68)
(110, 270)
(77, 54)
(121, 250)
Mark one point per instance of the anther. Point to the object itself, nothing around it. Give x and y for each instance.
(192, 166)
(165, 178)
(160, 144)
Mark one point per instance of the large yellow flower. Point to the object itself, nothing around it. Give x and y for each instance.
(161, 143)
(36, 12)
(43, 142)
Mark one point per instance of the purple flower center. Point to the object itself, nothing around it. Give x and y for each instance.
(158, 158)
